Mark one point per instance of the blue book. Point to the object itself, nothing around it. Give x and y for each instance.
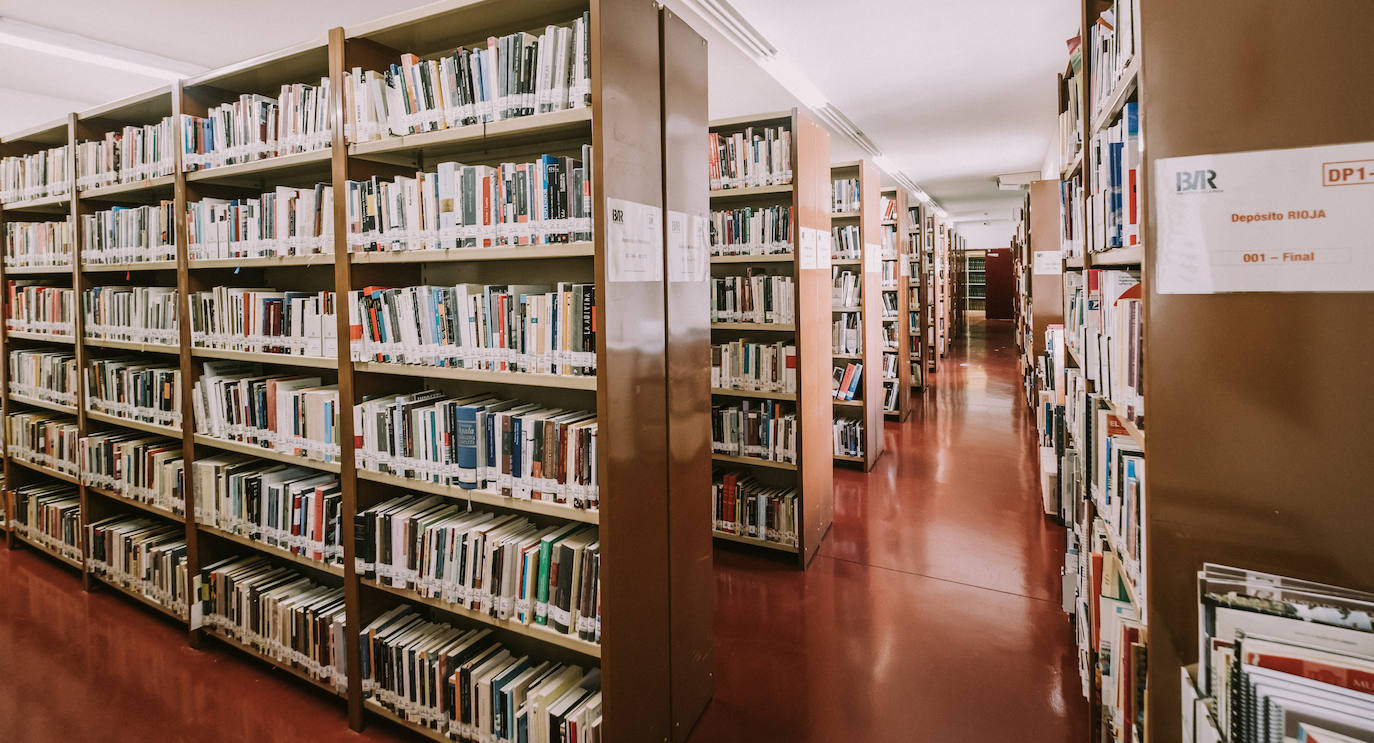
(466, 447)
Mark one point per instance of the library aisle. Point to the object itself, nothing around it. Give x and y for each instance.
(931, 611)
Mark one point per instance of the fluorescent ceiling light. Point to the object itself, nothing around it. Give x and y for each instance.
(797, 83)
(90, 51)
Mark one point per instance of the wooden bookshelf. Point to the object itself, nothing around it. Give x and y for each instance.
(808, 196)
(651, 390)
(900, 292)
(869, 267)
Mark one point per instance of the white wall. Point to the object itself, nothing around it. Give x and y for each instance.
(987, 235)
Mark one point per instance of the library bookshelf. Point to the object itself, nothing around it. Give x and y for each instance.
(896, 291)
(808, 198)
(649, 389)
(868, 268)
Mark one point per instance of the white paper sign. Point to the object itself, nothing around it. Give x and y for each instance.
(1047, 263)
(687, 247)
(904, 266)
(634, 241)
(823, 248)
(807, 248)
(873, 258)
(1295, 220)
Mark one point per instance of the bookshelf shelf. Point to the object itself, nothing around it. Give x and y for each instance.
(775, 258)
(485, 497)
(549, 636)
(321, 260)
(139, 597)
(845, 215)
(558, 381)
(785, 396)
(268, 549)
(847, 458)
(249, 650)
(283, 359)
(37, 403)
(849, 403)
(257, 451)
(24, 335)
(522, 252)
(771, 327)
(45, 204)
(751, 192)
(38, 270)
(166, 182)
(753, 541)
(140, 505)
(755, 461)
(279, 166)
(50, 472)
(1133, 255)
(58, 556)
(131, 346)
(169, 431)
(566, 124)
(132, 266)
(1075, 165)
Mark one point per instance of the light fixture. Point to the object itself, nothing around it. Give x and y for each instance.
(77, 48)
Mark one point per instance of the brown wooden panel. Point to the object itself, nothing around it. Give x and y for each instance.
(1272, 473)
(815, 474)
(999, 284)
(870, 298)
(1047, 289)
(685, 190)
(631, 394)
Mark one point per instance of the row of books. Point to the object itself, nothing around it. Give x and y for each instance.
(1113, 205)
(743, 506)
(763, 430)
(1072, 215)
(848, 435)
(45, 439)
(292, 323)
(889, 365)
(846, 333)
(44, 375)
(546, 201)
(1280, 659)
(294, 415)
(525, 328)
(1112, 42)
(844, 287)
(512, 448)
(38, 244)
(845, 243)
(890, 309)
(37, 175)
(134, 153)
(752, 230)
(252, 127)
(295, 509)
(755, 297)
(134, 390)
(1071, 112)
(464, 684)
(844, 195)
(33, 307)
(137, 466)
(129, 234)
(500, 565)
(139, 314)
(283, 221)
(845, 380)
(279, 612)
(520, 74)
(889, 334)
(758, 367)
(887, 209)
(49, 515)
(143, 555)
(754, 157)
(891, 395)
(1104, 323)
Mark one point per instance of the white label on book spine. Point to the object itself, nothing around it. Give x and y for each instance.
(688, 245)
(1294, 220)
(634, 241)
(1047, 263)
(873, 258)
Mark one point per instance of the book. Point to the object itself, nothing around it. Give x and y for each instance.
(759, 367)
(848, 434)
(752, 230)
(755, 297)
(138, 314)
(143, 555)
(845, 244)
(35, 244)
(129, 234)
(844, 195)
(743, 506)
(753, 157)
(763, 429)
(296, 415)
(295, 509)
(38, 175)
(844, 288)
(44, 375)
(128, 388)
(291, 323)
(846, 336)
(35, 307)
(138, 466)
(134, 153)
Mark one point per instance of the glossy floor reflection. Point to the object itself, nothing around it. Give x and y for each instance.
(930, 612)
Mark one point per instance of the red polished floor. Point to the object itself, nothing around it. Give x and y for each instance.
(929, 614)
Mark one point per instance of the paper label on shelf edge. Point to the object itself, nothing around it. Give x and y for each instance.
(1047, 263)
(688, 240)
(634, 241)
(807, 248)
(1289, 220)
(873, 258)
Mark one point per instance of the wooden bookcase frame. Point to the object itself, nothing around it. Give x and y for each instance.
(809, 197)
(869, 408)
(645, 125)
(902, 293)
(911, 233)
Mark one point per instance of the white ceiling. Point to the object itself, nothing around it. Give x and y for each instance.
(954, 93)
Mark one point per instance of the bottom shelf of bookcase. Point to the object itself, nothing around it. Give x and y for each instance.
(378, 709)
(848, 458)
(54, 555)
(140, 598)
(754, 542)
(253, 652)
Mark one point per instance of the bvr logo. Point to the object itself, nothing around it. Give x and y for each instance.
(617, 216)
(1197, 180)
